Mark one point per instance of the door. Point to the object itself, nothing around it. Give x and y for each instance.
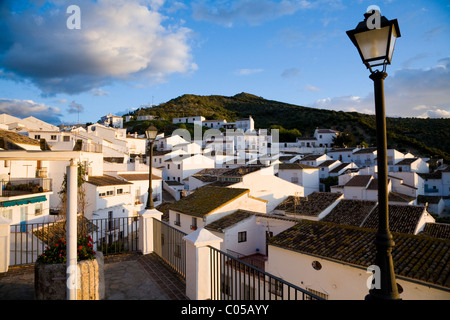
(23, 218)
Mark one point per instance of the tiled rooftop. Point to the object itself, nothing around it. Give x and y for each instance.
(206, 199)
(18, 138)
(339, 167)
(360, 180)
(295, 166)
(402, 218)
(138, 176)
(417, 257)
(106, 180)
(229, 220)
(312, 205)
(437, 230)
(365, 150)
(350, 212)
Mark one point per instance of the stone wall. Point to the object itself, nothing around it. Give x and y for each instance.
(50, 280)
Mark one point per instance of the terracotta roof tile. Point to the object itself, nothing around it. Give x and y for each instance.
(402, 218)
(312, 205)
(421, 258)
(365, 150)
(229, 220)
(350, 212)
(138, 176)
(206, 199)
(360, 180)
(437, 230)
(294, 166)
(106, 180)
(18, 138)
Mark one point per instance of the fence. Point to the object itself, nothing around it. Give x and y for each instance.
(14, 187)
(169, 245)
(233, 279)
(110, 236)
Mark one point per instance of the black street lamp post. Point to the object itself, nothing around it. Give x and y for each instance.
(151, 133)
(375, 45)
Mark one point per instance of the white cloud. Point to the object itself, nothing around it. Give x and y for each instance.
(408, 93)
(247, 72)
(99, 92)
(118, 40)
(436, 113)
(310, 88)
(25, 108)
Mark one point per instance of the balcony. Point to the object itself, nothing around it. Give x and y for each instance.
(18, 187)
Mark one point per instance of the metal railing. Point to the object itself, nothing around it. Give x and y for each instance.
(169, 245)
(110, 236)
(15, 186)
(233, 279)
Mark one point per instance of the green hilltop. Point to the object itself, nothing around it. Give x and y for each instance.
(422, 137)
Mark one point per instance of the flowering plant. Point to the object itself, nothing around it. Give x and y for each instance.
(57, 253)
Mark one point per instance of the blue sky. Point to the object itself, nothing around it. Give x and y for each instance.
(130, 53)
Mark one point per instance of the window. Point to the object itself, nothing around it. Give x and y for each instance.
(66, 138)
(276, 287)
(137, 196)
(53, 137)
(179, 167)
(37, 136)
(316, 265)
(7, 213)
(226, 285)
(38, 209)
(317, 293)
(102, 194)
(177, 251)
(110, 192)
(168, 166)
(119, 191)
(194, 223)
(242, 236)
(177, 220)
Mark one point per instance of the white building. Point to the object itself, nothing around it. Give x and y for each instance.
(365, 157)
(180, 167)
(168, 143)
(314, 159)
(411, 165)
(113, 121)
(198, 120)
(327, 260)
(209, 204)
(214, 124)
(301, 174)
(245, 234)
(145, 117)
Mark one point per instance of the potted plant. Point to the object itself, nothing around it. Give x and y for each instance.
(51, 272)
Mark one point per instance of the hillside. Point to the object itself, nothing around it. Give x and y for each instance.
(422, 137)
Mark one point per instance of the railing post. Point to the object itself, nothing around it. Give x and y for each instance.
(146, 217)
(198, 269)
(5, 241)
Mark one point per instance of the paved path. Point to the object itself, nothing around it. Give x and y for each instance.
(127, 277)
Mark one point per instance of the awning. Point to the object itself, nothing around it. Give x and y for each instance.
(11, 203)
